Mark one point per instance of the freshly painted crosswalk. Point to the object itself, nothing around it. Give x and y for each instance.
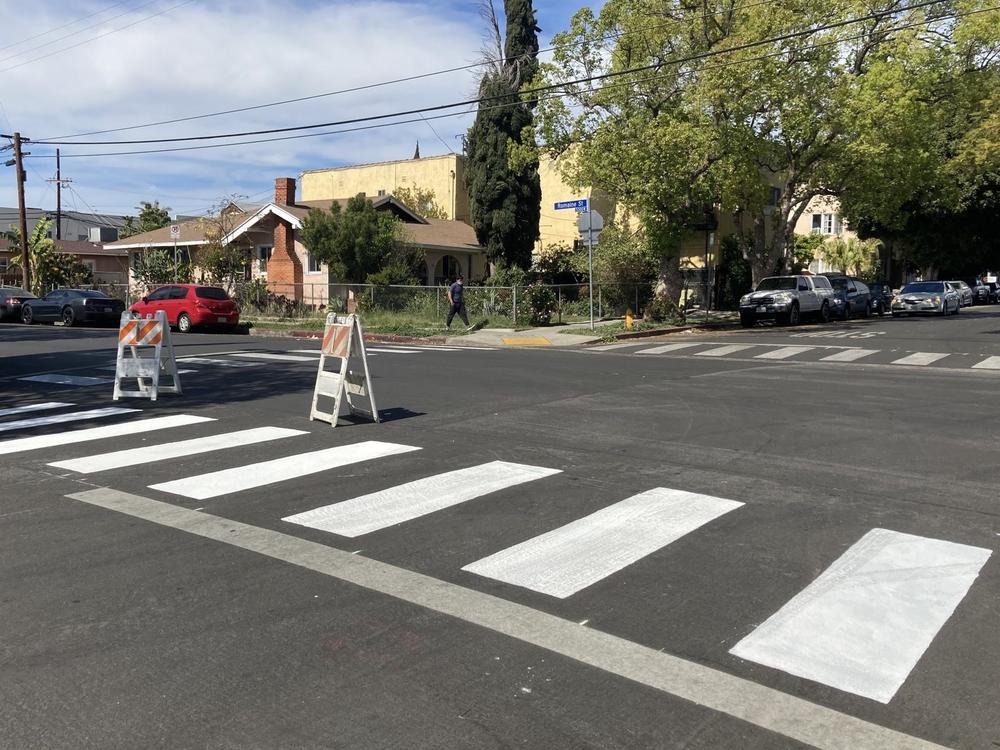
(380, 510)
(54, 378)
(239, 478)
(579, 554)
(850, 355)
(193, 447)
(724, 351)
(919, 359)
(274, 356)
(195, 360)
(864, 623)
(70, 437)
(668, 348)
(861, 626)
(990, 363)
(785, 352)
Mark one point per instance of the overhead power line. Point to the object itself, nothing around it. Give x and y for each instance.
(550, 95)
(63, 26)
(531, 90)
(378, 84)
(99, 36)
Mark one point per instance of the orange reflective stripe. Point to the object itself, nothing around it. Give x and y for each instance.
(140, 333)
(335, 340)
(126, 331)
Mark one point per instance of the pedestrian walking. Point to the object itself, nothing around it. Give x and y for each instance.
(456, 303)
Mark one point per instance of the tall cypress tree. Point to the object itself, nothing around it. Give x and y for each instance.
(505, 193)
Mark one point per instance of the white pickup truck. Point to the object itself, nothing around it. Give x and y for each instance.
(787, 299)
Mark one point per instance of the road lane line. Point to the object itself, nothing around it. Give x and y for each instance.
(196, 446)
(383, 350)
(579, 554)
(668, 348)
(990, 363)
(227, 481)
(271, 356)
(99, 433)
(379, 510)
(219, 362)
(722, 351)
(865, 622)
(919, 358)
(785, 352)
(58, 379)
(73, 416)
(612, 347)
(770, 709)
(32, 407)
(849, 355)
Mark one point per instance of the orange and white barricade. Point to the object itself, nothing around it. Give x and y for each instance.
(344, 340)
(150, 355)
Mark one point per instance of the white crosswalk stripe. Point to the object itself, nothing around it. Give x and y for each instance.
(577, 555)
(785, 352)
(193, 447)
(920, 359)
(70, 437)
(219, 362)
(990, 363)
(32, 407)
(273, 356)
(382, 350)
(864, 623)
(395, 505)
(724, 351)
(227, 481)
(73, 416)
(669, 348)
(61, 379)
(850, 355)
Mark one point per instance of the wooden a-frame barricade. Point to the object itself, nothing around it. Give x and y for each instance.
(344, 340)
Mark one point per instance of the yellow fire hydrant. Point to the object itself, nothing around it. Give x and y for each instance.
(629, 319)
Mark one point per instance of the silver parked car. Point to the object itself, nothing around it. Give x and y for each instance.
(965, 294)
(936, 297)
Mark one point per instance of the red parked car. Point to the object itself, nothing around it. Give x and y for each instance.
(189, 305)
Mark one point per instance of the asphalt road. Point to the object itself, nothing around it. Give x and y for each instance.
(811, 560)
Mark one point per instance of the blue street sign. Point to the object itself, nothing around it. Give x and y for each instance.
(578, 204)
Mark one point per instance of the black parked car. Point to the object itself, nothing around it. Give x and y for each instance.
(72, 306)
(11, 298)
(980, 292)
(851, 297)
(881, 295)
(994, 291)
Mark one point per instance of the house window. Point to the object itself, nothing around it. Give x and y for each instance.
(381, 193)
(826, 224)
(263, 256)
(313, 263)
(774, 197)
(4, 265)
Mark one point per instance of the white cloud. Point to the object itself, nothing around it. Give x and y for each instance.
(210, 57)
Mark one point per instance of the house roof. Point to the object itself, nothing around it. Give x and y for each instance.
(443, 233)
(77, 247)
(192, 233)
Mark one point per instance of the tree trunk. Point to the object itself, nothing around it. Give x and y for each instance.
(668, 280)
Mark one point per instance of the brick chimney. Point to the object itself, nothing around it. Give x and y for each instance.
(284, 191)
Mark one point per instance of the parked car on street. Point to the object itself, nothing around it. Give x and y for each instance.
(926, 297)
(980, 292)
(994, 292)
(787, 299)
(11, 298)
(966, 296)
(190, 305)
(881, 294)
(850, 297)
(72, 306)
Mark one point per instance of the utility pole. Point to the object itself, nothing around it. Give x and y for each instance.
(23, 216)
(59, 181)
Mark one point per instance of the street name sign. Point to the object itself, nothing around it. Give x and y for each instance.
(580, 204)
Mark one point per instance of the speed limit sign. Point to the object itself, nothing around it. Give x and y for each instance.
(175, 232)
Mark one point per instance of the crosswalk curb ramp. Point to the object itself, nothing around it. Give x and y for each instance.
(344, 340)
(151, 356)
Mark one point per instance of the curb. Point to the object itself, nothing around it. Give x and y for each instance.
(674, 329)
(383, 338)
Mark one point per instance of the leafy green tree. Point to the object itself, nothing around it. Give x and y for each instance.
(502, 166)
(356, 241)
(49, 267)
(807, 247)
(852, 255)
(156, 266)
(422, 201)
(224, 263)
(151, 216)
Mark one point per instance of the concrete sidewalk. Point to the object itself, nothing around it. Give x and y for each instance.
(544, 336)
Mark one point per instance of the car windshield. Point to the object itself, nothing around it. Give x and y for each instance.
(13, 291)
(776, 283)
(839, 283)
(923, 286)
(211, 292)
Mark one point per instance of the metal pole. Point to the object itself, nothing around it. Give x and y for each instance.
(705, 300)
(515, 303)
(22, 214)
(590, 260)
(58, 198)
(559, 302)
(175, 261)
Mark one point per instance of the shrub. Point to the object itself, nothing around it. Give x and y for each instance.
(662, 310)
(540, 302)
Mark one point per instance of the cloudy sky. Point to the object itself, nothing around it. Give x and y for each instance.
(69, 67)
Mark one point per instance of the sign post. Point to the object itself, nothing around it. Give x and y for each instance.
(175, 234)
(589, 223)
